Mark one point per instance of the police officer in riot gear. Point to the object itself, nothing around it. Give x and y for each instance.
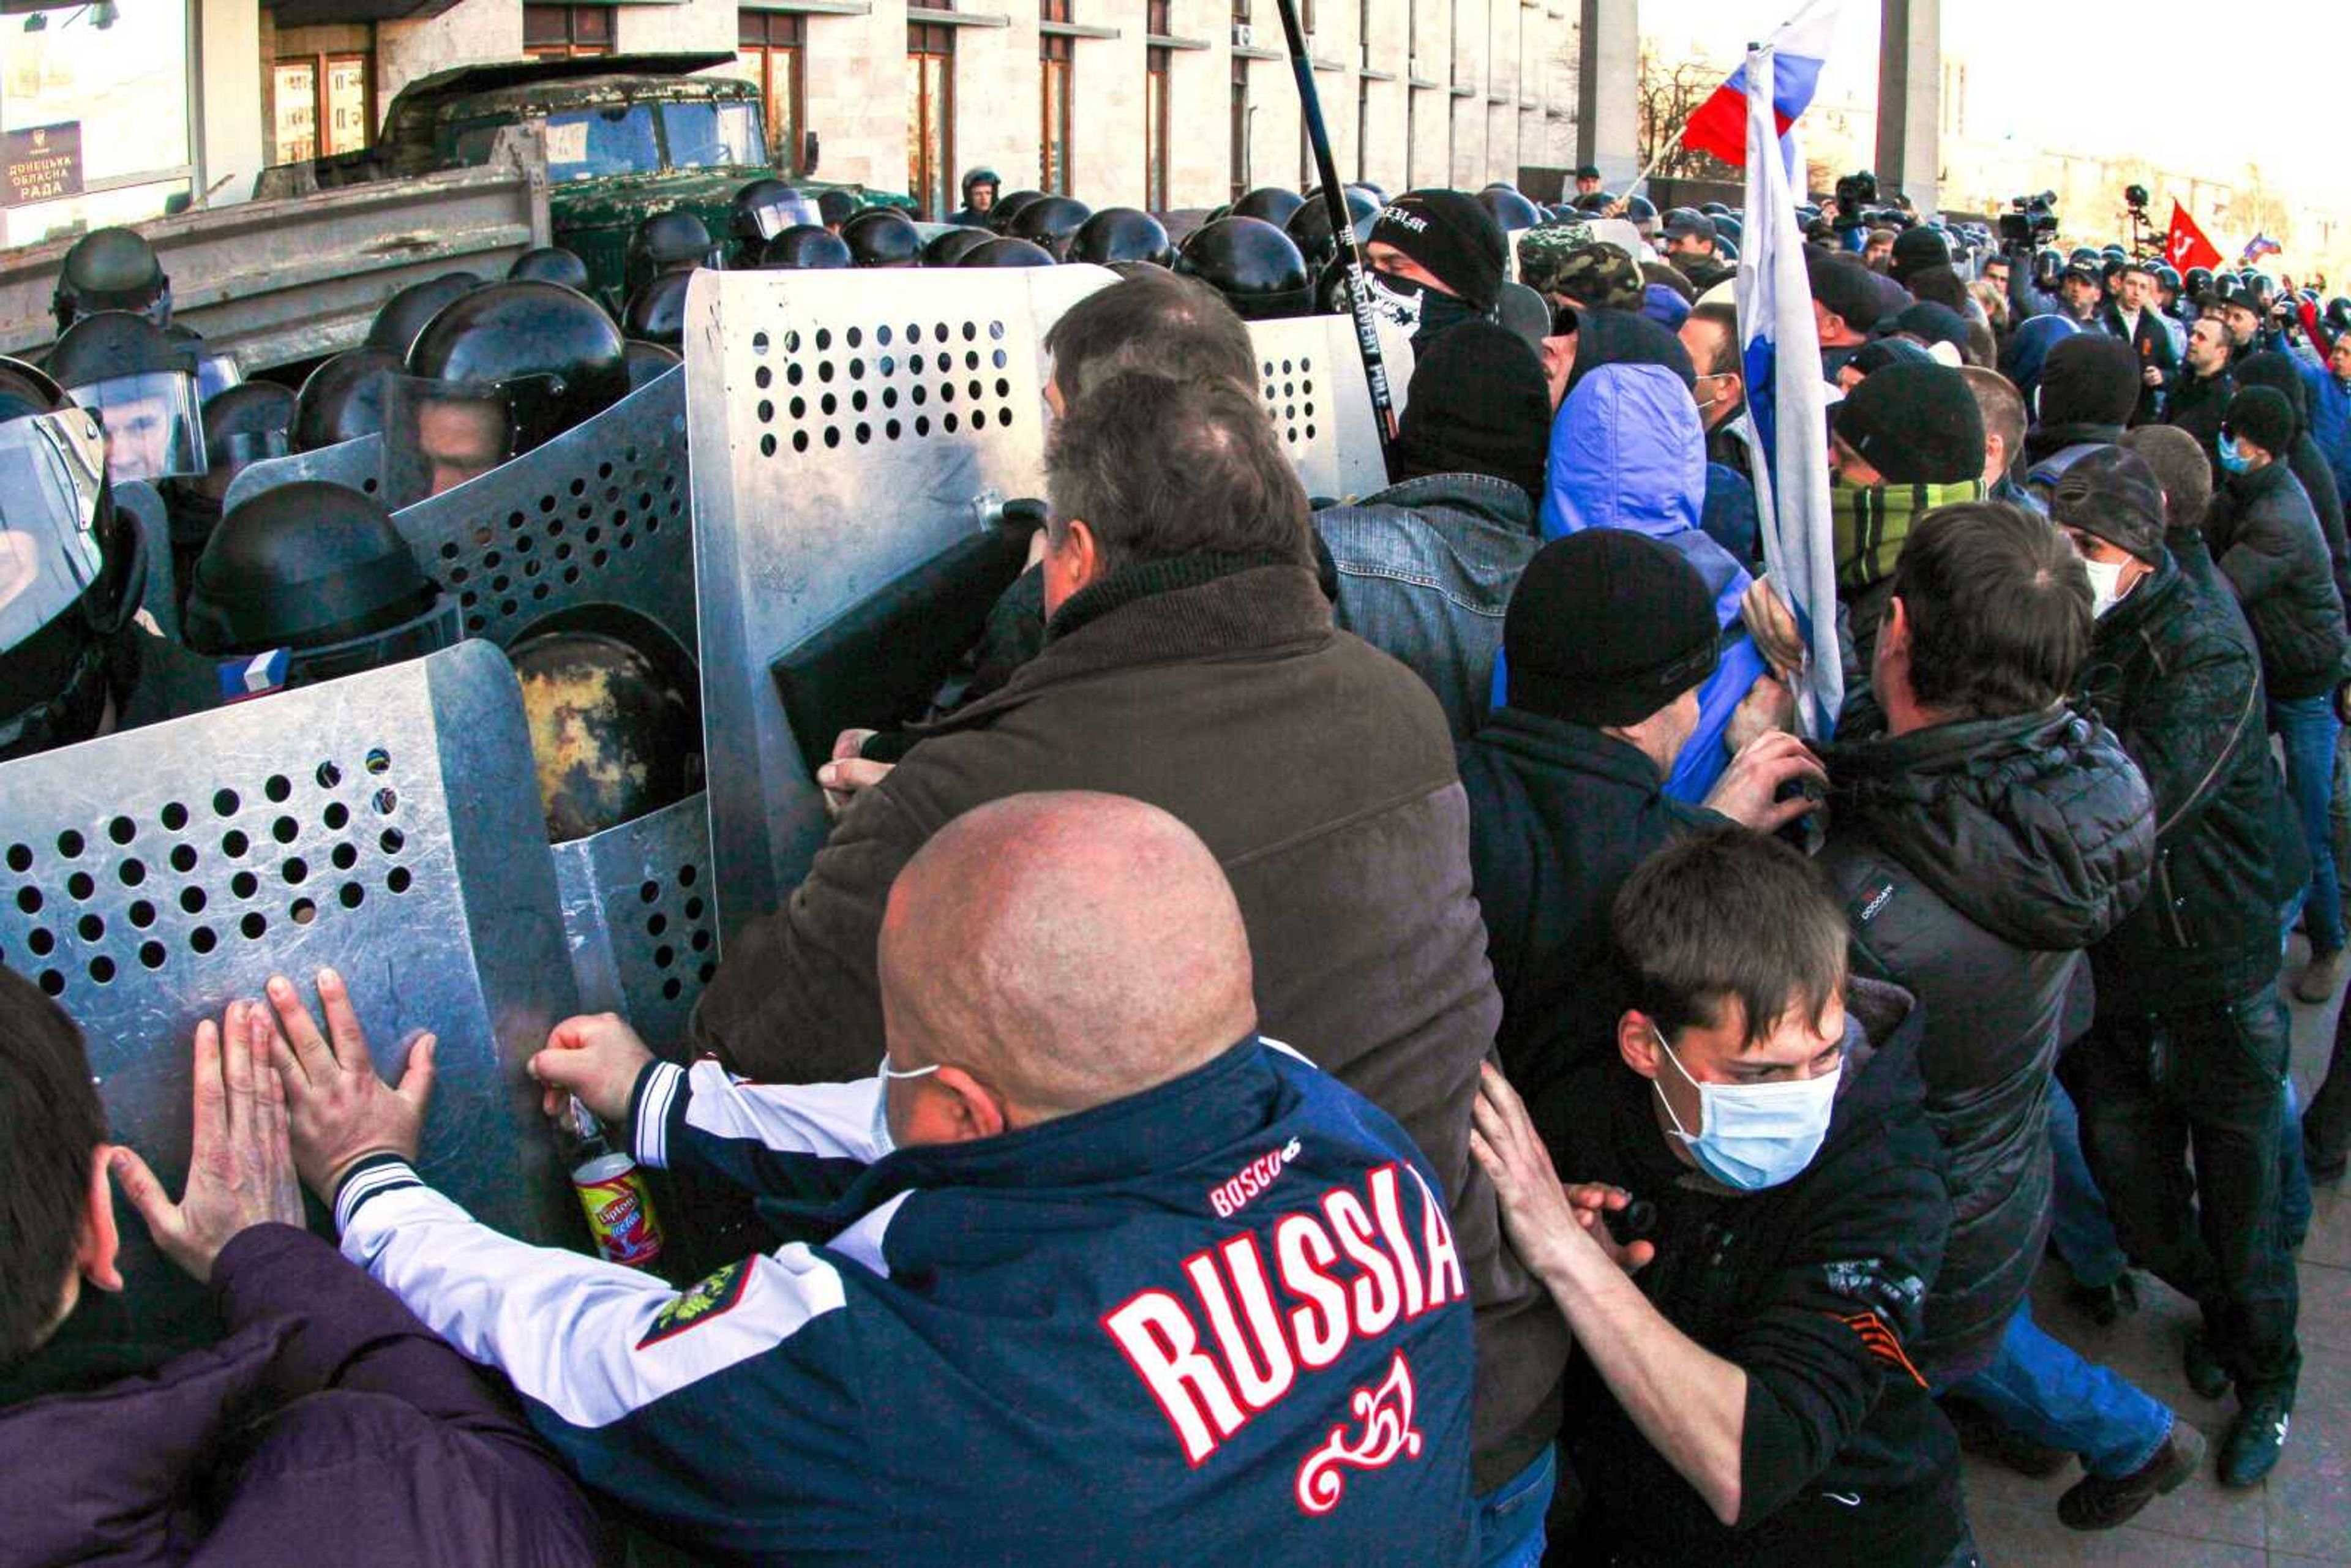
(1271, 203)
(1309, 227)
(656, 312)
(343, 398)
(835, 208)
(243, 426)
(550, 264)
(399, 319)
(505, 370)
(615, 720)
(306, 581)
(1006, 251)
(648, 362)
(883, 236)
(979, 188)
(1052, 222)
(666, 242)
(1252, 263)
(762, 209)
(1000, 216)
(806, 247)
(112, 269)
(1508, 208)
(947, 249)
(1118, 234)
(74, 660)
(141, 383)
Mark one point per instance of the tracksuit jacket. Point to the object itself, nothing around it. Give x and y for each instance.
(1221, 1320)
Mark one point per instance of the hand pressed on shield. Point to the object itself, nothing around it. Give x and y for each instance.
(1556, 1227)
(240, 1171)
(597, 1059)
(848, 772)
(338, 1111)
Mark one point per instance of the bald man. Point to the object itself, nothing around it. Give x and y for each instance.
(1091, 1271)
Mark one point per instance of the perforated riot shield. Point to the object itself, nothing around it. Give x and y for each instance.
(849, 429)
(387, 825)
(1313, 380)
(597, 515)
(356, 464)
(642, 917)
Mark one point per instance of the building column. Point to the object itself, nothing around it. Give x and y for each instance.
(1909, 99)
(1607, 92)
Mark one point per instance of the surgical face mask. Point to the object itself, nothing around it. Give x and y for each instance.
(1420, 311)
(2106, 584)
(2234, 459)
(883, 1141)
(1754, 1136)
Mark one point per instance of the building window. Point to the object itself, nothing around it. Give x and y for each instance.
(316, 94)
(1056, 55)
(930, 117)
(563, 32)
(772, 47)
(95, 115)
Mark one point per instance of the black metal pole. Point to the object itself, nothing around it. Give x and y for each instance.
(1342, 230)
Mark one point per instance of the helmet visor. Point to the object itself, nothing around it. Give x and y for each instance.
(217, 372)
(774, 215)
(51, 468)
(439, 434)
(155, 425)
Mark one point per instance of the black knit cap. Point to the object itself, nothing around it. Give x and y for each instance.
(1479, 404)
(1916, 249)
(1606, 627)
(1451, 234)
(2111, 493)
(2089, 379)
(1916, 423)
(1844, 287)
(2263, 416)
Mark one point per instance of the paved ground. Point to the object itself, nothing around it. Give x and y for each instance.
(2302, 1514)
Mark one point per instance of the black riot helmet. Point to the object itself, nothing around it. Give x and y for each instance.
(1643, 212)
(2262, 287)
(244, 425)
(1052, 222)
(550, 264)
(1252, 263)
(2166, 276)
(1508, 208)
(2084, 255)
(805, 248)
(505, 370)
(615, 721)
(835, 208)
(141, 383)
(112, 269)
(2337, 315)
(1007, 208)
(2194, 281)
(764, 209)
(975, 178)
(666, 242)
(1309, 227)
(648, 361)
(343, 398)
(1005, 251)
(399, 319)
(1121, 234)
(656, 311)
(1271, 203)
(73, 571)
(319, 570)
(883, 236)
(948, 248)
(1727, 226)
(2113, 251)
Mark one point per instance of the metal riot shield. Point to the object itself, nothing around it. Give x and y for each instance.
(641, 917)
(1312, 379)
(849, 428)
(387, 825)
(356, 464)
(597, 515)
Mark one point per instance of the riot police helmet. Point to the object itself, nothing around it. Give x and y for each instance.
(1006, 251)
(550, 264)
(648, 362)
(672, 241)
(2337, 315)
(1121, 234)
(766, 208)
(1252, 263)
(975, 178)
(835, 208)
(2194, 281)
(805, 248)
(343, 398)
(1271, 202)
(399, 319)
(112, 269)
(950, 248)
(883, 236)
(1007, 208)
(1052, 222)
(1309, 227)
(141, 385)
(1508, 208)
(656, 311)
(499, 372)
(615, 727)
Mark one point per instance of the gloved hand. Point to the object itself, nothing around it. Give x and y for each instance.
(1773, 627)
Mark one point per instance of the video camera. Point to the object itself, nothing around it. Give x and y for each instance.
(1855, 191)
(2030, 220)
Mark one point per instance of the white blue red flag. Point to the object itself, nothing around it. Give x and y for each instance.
(1801, 48)
(2259, 247)
(1787, 399)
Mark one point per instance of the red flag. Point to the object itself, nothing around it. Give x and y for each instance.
(2185, 246)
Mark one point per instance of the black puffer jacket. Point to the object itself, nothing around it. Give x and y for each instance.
(1975, 861)
(2176, 675)
(2267, 541)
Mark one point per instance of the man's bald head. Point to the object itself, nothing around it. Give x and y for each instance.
(1056, 952)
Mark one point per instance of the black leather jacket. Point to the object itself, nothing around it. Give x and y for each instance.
(2269, 545)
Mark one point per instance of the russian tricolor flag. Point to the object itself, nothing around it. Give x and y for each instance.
(1799, 49)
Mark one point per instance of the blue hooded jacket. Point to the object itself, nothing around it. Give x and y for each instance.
(1627, 452)
(2028, 350)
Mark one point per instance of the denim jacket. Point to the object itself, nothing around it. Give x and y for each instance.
(1425, 570)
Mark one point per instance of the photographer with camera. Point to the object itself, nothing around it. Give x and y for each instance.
(2131, 315)
(2031, 222)
(1855, 193)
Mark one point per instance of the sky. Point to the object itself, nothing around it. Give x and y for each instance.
(2081, 86)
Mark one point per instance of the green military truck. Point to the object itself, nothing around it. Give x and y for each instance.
(626, 136)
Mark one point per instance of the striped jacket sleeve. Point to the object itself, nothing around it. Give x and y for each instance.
(800, 1139)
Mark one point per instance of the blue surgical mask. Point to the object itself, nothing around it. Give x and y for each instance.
(883, 1141)
(1755, 1136)
(2234, 459)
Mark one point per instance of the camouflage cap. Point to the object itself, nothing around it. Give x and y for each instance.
(1596, 274)
(1542, 247)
